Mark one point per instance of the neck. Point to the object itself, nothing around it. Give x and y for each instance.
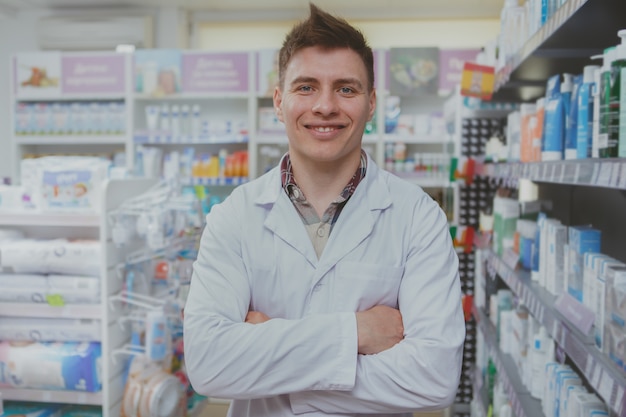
(322, 183)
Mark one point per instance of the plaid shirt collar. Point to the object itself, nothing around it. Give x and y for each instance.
(293, 191)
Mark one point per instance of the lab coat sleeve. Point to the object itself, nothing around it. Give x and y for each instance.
(422, 371)
(228, 358)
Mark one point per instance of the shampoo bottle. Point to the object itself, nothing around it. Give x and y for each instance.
(571, 120)
(584, 122)
(620, 64)
(602, 144)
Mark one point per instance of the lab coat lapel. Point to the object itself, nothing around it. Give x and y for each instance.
(284, 221)
(357, 219)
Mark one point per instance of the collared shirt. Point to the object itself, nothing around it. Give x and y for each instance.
(319, 228)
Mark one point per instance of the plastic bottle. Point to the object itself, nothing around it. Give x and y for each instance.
(605, 103)
(584, 125)
(619, 66)
(538, 359)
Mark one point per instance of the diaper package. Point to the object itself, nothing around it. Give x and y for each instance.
(64, 183)
(52, 256)
(69, 366)
(38, 288)
(28, 329)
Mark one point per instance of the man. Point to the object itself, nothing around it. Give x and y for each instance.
(326, 287)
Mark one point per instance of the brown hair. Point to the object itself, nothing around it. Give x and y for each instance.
(325, 30)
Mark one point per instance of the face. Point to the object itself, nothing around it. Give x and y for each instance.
(325, 103)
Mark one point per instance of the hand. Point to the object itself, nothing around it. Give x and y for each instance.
(256, 317)
(378, 329)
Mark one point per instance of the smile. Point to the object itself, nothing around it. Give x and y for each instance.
(325, 129)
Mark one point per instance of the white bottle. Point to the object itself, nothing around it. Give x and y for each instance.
(165, 118)
(185, 122)
(538, 359)
(195, 122)
(175, 122)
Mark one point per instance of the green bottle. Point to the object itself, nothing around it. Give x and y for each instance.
(620, 64)
(602, 141)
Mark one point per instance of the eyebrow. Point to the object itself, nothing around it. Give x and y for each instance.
(341, 81)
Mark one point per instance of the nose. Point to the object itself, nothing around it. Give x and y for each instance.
(325, 103)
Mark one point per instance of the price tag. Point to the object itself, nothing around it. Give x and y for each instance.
(615, 175)
(534, 171)
(511, 258)
(606, 386)
(562, 169)
(595, 174)
(81, 398)
(604, 177)
(552, 176)
(46, 396)
(545, 171)
(55, 300)
(622, 176)
(525, 170)
(576, 174)
(589, 366)
(597, 375)
(618, 401)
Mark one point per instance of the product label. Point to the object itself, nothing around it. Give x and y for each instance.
(622, 115)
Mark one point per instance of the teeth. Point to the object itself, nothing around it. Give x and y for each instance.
(324, 129)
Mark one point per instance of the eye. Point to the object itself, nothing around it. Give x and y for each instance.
(305, 88)
(346, 90)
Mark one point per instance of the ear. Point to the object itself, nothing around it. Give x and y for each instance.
(278, 101)
(372, 104)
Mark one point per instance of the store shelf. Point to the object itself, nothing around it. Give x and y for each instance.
(37, 310)
(442, 139)
(72, 97)
(278, 138)
(423, 181)
(231, 181)
(607, 173)
(66, 397)
(49, 219)
(158, 138)
(70, 139)
(601, 373)
(577, 31)
(189, 96)
(522, 403)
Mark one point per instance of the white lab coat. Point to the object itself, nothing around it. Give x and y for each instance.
(390, 246)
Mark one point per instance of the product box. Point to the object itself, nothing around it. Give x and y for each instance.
(557, 238)
(582, 239)
(29, 329)
(605, 267)
(591, 261)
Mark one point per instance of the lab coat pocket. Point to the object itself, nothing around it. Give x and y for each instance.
(359, 286)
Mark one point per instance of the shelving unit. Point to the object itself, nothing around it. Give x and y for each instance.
(579, 30)
(605, 173)
(602, 374)
(582, 191)
(74, 78)
(522, 404)
(85, 226)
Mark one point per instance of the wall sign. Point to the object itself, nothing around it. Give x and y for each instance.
(215, 72)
